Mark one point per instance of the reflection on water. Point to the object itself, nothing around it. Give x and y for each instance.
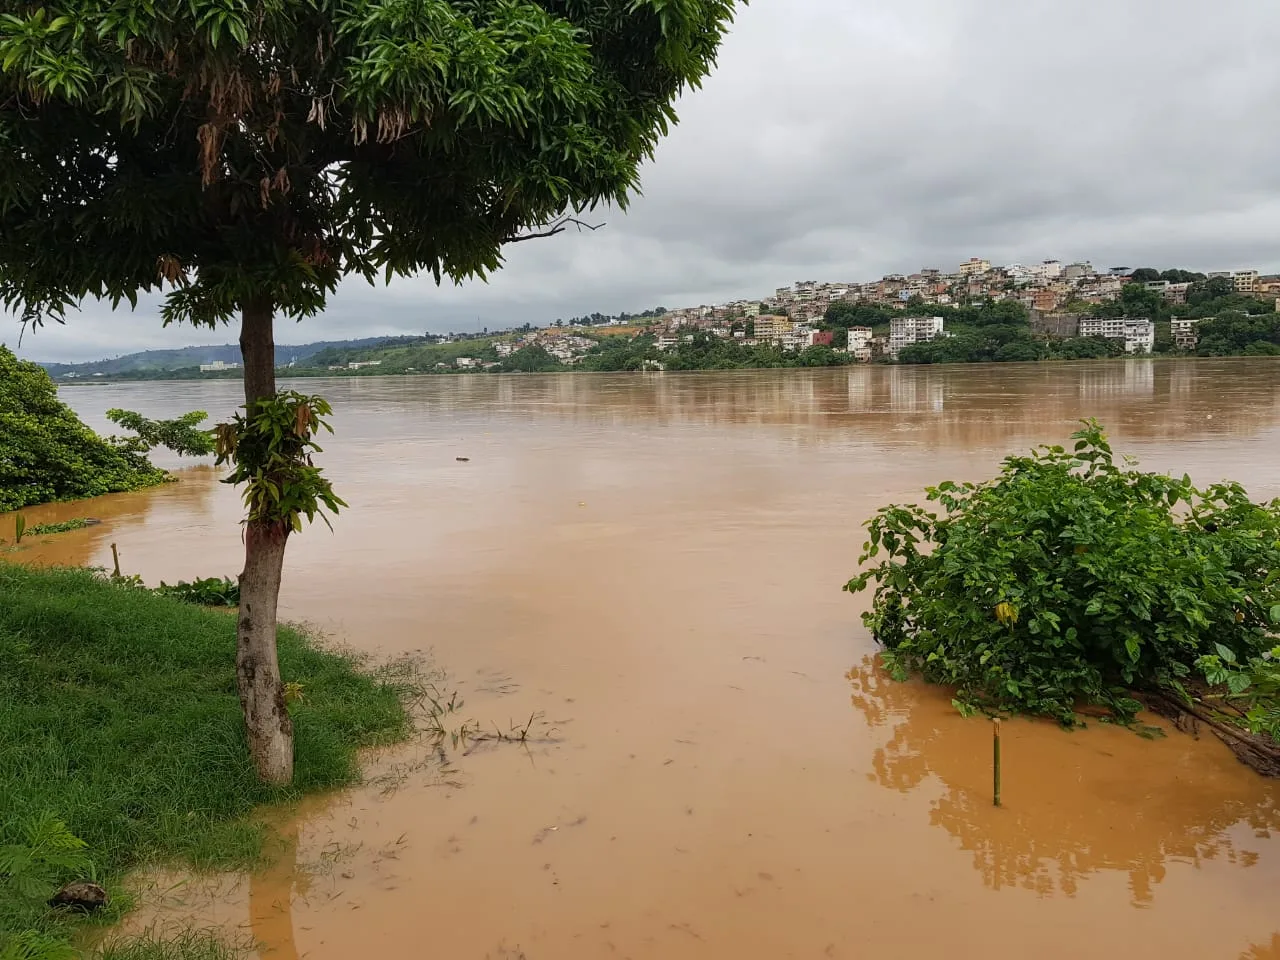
(1263, 951)
(271, 893)
(186, 507)
(654, 562)
(1068, 821)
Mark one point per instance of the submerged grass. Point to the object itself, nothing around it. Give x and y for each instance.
(119, 716)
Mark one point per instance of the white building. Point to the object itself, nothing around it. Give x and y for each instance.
(860, 343)
(1139, 336)
(364, 363)
(1184, 332)
(904, 331)
(218, 365)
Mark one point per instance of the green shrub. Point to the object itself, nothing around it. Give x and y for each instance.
(183, 436)
(47, 454)
(1070, 579)
(1252, 687)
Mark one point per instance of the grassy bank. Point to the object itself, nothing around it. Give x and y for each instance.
(119, 717)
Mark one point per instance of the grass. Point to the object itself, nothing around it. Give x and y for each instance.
(119, 716)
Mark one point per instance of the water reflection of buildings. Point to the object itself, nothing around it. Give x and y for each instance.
(1059, 832)
(961, 405)
(1129, 378)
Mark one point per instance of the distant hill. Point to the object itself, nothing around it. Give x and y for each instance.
(187, 357)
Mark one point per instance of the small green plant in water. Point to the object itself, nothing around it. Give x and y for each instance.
(66, 526)
(19, 528)
(208, 592)
(1072, 579)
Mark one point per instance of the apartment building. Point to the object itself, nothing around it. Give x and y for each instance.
(1078, 271)
(973, 267)
(860, 343)
(904, 331)
(1139, 335)
(1245, 281)
(1184, 332)
(771, 327)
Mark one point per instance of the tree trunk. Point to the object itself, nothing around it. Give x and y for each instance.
(266, 717)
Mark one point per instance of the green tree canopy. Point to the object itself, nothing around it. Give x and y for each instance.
(251, 150)
(1233, 333)
(47, 454)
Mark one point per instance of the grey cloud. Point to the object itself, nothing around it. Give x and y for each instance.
(843, 140)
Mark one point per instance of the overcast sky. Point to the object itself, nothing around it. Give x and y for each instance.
(844, 139)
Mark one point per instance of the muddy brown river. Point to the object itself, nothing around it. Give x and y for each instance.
(651, 565)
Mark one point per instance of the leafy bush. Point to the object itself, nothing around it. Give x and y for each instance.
(209, 592)
(1069, 579)
(30, 870)
(47, 454)
(183, 435)
(48, 853)
(1253, 688)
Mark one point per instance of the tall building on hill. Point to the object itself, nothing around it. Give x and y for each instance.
(905, 331)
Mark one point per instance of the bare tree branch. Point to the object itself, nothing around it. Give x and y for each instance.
(558, 226)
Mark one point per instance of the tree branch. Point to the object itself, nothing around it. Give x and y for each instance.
(557, 226)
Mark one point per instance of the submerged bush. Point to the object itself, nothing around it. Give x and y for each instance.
(1070, 579)
(206, 592)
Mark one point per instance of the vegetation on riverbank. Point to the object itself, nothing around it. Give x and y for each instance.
(1229, 324)
(1070, 579)
(119, 717)
(47, 454)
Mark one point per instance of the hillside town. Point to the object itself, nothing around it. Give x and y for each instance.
(1056, 296)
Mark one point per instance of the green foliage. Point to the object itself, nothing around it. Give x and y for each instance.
(119, 713)
(47, 853)
(46, 529)
(185, 945)
(704, 351)
(182, 435)
(43, 854)
(1085, 348)
(270, 447)
(1234, 333)
(46, 453)
(33, 945)
(207, 592)
(19, 527)
(1068, 578)
(1252, 686)
(238, 151)
(531, 359)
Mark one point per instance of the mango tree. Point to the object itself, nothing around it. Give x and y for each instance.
(244, 156)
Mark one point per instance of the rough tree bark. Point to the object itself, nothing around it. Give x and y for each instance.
(266, 717)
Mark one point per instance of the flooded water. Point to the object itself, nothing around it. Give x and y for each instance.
(651, 564)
